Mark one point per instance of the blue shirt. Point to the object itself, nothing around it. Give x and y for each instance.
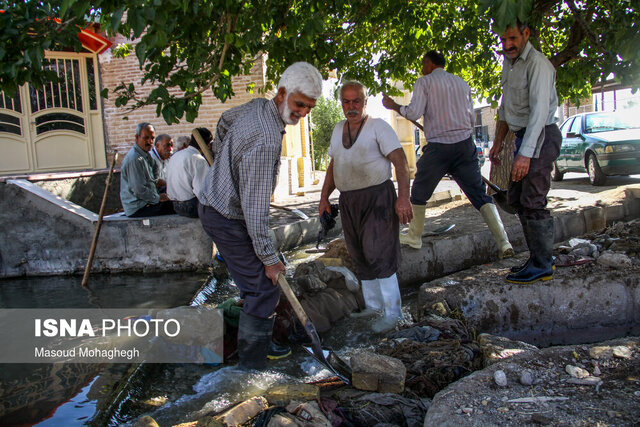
(137, 181)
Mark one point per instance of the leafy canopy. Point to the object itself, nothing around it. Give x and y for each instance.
(325, 116)
(187, 47)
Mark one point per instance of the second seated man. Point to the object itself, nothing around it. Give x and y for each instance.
(186, 170)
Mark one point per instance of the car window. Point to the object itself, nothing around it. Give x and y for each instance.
(566, 126)
(576, 127)
(605, 122)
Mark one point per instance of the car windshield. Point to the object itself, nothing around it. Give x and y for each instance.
(605, 122)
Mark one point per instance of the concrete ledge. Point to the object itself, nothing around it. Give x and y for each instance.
(566, 310)
(44, 234)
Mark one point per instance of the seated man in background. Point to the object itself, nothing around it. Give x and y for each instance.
(182, 142)
(186, 170)
(138, 180)
(160, 153)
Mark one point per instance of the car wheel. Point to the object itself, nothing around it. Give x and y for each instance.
(596, 176)
(556, 175)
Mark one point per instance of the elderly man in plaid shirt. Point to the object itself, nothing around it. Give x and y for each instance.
(234, 203)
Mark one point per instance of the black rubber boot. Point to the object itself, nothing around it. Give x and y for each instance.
(540, 266)
(254, 340)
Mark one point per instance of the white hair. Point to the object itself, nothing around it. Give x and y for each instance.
(302, 77)
(358, 86)
(182, 142)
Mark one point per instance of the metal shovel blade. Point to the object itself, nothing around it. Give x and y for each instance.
(311, 331)
(332, 361)
(500, 197)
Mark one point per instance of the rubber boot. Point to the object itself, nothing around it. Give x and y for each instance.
(392, 304)
(413, 238)
(541, 238)
(489, 212)
(517, 268)
(254, 340)
(372, 298)
(523, 221)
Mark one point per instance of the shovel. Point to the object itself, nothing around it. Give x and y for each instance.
(500, 197)
(296, 212)
(439, 230)
(322, 355)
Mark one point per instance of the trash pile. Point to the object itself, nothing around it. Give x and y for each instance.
(617, 246)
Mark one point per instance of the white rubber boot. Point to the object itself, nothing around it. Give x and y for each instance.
(489, 212)
(392, 305)
(372, 298)
(414, 237)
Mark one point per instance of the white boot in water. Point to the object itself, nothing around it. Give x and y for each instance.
(372, 299)
(392, 305)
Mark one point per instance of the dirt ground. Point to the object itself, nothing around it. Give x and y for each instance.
(607, 394)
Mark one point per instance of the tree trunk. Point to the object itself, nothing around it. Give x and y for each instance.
(500, 174)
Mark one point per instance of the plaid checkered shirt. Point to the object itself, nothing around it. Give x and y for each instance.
(243, 176)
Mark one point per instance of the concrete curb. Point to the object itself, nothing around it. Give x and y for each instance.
(442, 255)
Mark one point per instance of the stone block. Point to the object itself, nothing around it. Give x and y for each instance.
(243, 412)
(374, 372)
(495, 348)
(282, 394)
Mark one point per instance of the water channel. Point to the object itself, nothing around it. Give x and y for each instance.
(114, 394)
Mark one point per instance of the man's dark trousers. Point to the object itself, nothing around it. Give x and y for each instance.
(529, 195)
(236, 247)
(460, 160)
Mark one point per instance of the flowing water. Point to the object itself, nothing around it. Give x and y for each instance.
(115, 394)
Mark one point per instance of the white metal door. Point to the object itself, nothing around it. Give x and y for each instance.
(51, 127)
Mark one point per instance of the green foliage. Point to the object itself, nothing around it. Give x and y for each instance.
(324, 117)
(187, 47)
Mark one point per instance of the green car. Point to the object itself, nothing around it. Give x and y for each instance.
(601, 144)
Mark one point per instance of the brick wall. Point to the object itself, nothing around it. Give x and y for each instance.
(120, 132)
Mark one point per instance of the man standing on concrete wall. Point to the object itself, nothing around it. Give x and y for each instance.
(138, 181)
(529, 103)
(234, 203)
(446, 104)
(362, 151)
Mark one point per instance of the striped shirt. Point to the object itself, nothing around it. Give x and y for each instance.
(445, 102)
(243, 176)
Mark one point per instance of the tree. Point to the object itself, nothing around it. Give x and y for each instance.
(186, 47)
(325, 116)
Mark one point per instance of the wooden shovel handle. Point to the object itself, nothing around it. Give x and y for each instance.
(203, 146)
(293, 300)
(492, 185)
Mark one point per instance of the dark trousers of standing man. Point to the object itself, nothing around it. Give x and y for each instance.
(459, 159)
(529, 195)
(236, 247)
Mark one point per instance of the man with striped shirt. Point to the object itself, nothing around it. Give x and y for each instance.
(234, 202)
(445, 102)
